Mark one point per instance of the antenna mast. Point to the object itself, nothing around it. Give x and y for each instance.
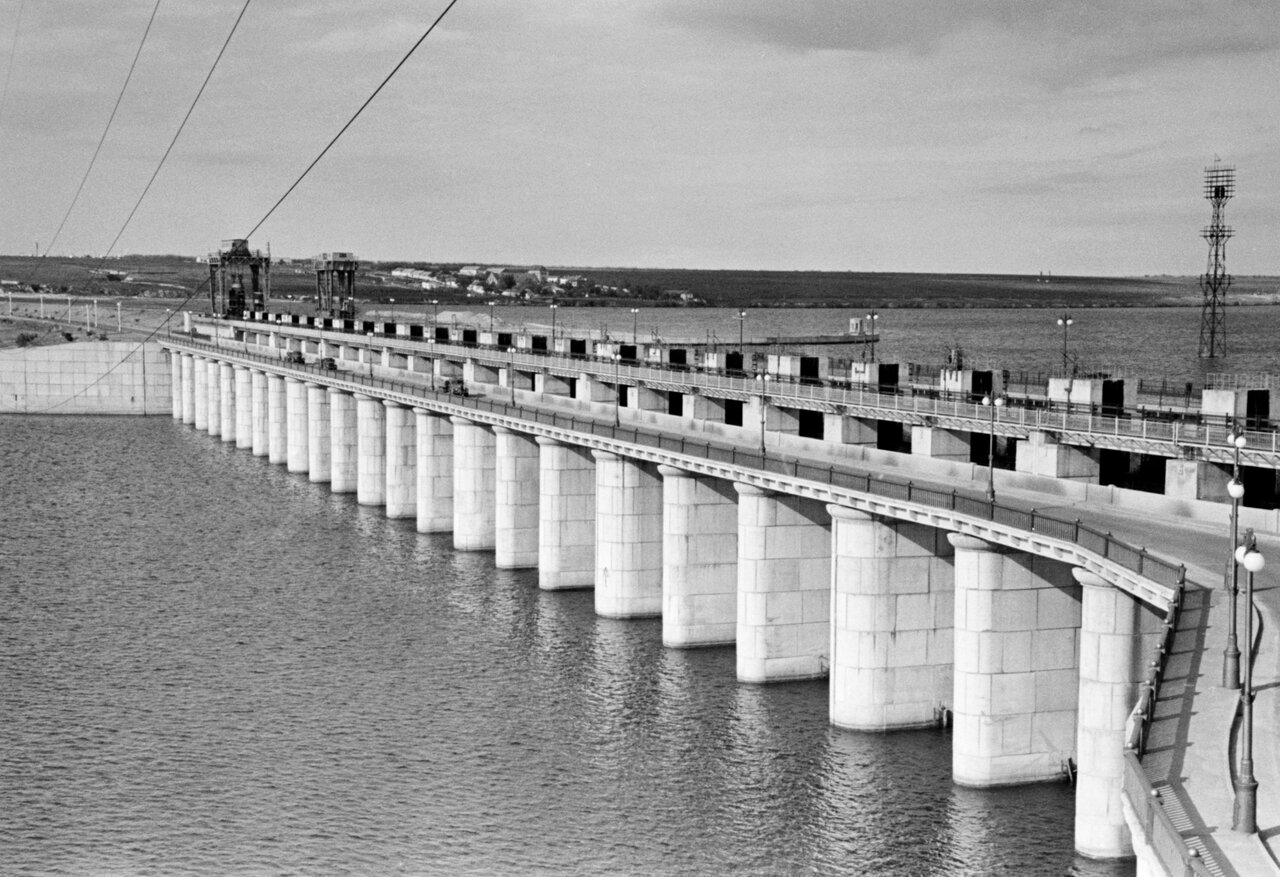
(1219, 187)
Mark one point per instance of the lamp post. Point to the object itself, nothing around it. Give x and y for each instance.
(553, 307)
(1065, 322)
(617, 390)
(872, 319)
(1235, 488)
(994, 403)
(763, 380)
(742, 319)
(435, 312)
(1245, 815)
(491, 304)
(635, 325)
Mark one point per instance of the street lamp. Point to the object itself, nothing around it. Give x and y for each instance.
(1065, 322)
(553, 307)
(994, 403)
(617, 390)
(1235, 488)
(635, 322)
(742, 319)
(491, 304)
(872, 319)
(1245, 816)
(763, 380)
(435, 312)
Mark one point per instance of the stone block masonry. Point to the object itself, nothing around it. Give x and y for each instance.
(89, 377)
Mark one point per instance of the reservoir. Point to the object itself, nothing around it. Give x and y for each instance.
(211, 666)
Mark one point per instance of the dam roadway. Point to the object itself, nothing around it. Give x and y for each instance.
(890, 574)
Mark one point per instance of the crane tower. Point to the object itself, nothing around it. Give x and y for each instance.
(227, 294)
(336, 284)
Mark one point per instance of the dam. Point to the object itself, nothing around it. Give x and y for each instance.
(706, 500)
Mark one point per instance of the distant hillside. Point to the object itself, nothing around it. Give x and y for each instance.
(171, 275)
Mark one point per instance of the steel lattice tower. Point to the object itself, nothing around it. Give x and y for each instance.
(1219, 186)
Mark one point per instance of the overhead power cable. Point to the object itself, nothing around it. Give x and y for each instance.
(13, 51)
(178, 133)
(48, 248)
(352, 120)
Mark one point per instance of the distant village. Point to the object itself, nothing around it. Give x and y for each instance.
(529, 283)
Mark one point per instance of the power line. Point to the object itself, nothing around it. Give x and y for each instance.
(178, 133)
(13, 51)
(351, 121)
(103, 138)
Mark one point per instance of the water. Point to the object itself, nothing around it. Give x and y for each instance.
(210, 666)
(1147, 343)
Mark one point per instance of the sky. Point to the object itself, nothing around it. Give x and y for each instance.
(976, 136)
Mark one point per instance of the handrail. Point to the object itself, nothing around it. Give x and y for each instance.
(1134, 559)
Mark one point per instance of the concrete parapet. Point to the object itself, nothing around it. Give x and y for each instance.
(261, 413)
(1017, 619)
(227, 394)
(344, 466)
(474, 461)
(1196, 479)
(1109, 677)
(566, 516)
(784, 581)
(892, 622)
(319, 448)
(628, 537)
(298, 429)
(244, 407)
(277, 420)
(517, 499)
(699, 559)
(435, 472)
(401, 488)
(371, 451)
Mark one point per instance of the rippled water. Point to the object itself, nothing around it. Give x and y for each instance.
(210, 666)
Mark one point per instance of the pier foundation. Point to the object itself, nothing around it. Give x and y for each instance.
(474, 510)
(298, 430)
(699, 559)
(200, 368)
(517, 499)
(435, 472)
(318, 439)
(227, 385)
(371, 451)
(784, 578)
(214, 383)
(277, 420)
(628, 537)
(344, 456)
(401, 462)
(892, 629)
(566, 516)
(244, 407)
(261, 408)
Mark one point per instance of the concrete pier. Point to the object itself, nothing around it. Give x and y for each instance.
(784, 582)
(517, 499)
(401, 455)
(244, 407)
(214, 382)
(344, 469)
(892, 637)
(200, 368)
(1016, 687)
(227, 384)
(175, 385)
(261, 414)
(435, 472)
(318, 438)
(628, 537)
(298, 427)
(699, 560)
(474, 461)
(188, 388)
(566, 516)
(277, 420)
(1109, 677)
(371, 451)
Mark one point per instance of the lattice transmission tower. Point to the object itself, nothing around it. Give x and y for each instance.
(1219, 186)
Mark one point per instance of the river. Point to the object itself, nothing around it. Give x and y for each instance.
(211, 666)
